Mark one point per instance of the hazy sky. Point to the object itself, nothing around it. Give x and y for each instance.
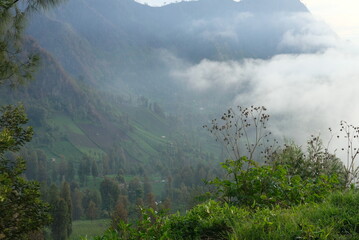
(341, 15)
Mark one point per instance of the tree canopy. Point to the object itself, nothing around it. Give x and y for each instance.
(21, 209)
(17, 65)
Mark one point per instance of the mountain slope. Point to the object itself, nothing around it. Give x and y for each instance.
(122, 41)
(71, 119)
(100, 58)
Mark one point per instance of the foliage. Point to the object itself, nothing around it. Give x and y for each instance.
(59, 227)
(290, 178)
(314, 162)
(13, 135)
(210, 220)
(285, 199)
(267, 186)
(15, 64)
(109, 193)
(335, 218)
(21, 210)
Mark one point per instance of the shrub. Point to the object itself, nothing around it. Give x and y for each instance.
(315, 162)
(268, 186)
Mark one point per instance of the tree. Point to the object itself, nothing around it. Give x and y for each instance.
(94, 169)
(311, 164)
(66, 195)
(151, 201)
(135, 189)
(119, 214)
(42, 163)
(15, 65)
(21, 210)
(77, 208)
(91, 211)
(109, 193)
(84, 169)
(59, 227)
(70, 173)
(147, 187)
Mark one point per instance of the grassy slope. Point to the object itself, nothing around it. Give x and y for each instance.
(88, 228)
(336, 218)
(142, 143)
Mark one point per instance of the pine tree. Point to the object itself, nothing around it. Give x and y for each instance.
(77, 208)
(59, 227)
(91, 211)
(109, 193)
(66, 195)
(94, 169)
(119, 214)
(21, 210)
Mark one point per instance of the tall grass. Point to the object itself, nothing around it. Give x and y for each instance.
(336, 218)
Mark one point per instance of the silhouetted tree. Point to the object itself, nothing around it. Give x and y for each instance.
(66, 195)
(91, 211)
(77, 208)
(59, 227)
(109, 193)
(94, 169)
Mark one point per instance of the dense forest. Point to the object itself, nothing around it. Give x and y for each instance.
(86, 156)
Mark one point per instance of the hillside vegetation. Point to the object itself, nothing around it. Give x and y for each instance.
(115, 94)
(293, 195)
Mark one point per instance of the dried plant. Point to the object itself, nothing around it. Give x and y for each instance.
(242, 131)
(350, 134)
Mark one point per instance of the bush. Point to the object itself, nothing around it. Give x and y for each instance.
(269, 186)
(335, 218)
(314, 162)
(210, 220)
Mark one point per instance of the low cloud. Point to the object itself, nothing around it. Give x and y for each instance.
(297, 32)
(309, 35)
(304, 93)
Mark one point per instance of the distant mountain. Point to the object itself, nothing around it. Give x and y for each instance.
(122, 41)
(107, 64)
(271, 6)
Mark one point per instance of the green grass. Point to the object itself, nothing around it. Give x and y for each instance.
(67, 124)
(93, 183)
(334, 219)
(65, 148)
(147, 120)
(91, 151)
(88, 228)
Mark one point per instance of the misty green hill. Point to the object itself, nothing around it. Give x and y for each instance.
(128, 46)
(71, 119)
(105, 80)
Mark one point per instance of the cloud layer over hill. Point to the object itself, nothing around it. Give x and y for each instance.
(305, 93)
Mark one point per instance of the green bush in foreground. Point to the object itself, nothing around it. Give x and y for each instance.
(336, 218)
(269, 186)
(210, 220)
